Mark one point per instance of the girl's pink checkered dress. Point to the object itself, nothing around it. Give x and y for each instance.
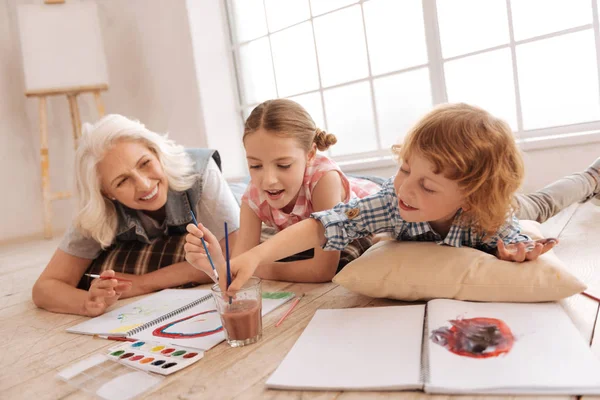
(354, 187)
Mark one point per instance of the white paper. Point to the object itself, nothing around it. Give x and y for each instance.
(199, 327)
(375, 348)
(118, 322)
(548, 355)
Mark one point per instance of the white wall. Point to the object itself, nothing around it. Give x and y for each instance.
(216, 82)
(152, 78)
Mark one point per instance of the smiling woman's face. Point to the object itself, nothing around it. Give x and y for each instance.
(132, 174)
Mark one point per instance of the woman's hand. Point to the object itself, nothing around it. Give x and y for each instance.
(103, 293)
(525, 251)
(194, 249)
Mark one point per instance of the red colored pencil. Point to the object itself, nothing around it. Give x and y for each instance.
(289, 310)
(108, 277)
(590, 296)
(117, 338)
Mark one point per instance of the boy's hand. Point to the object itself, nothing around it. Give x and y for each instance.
(242, 269)
(525, 251)
(194, 250)
(103, 293)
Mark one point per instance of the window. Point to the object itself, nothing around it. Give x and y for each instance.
(368, 70)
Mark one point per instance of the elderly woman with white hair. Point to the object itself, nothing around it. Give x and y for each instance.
(136, 191)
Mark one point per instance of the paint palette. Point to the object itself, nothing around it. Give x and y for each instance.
(100, 376)
(154, 357)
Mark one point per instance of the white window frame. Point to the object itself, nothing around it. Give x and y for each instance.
(533, 139)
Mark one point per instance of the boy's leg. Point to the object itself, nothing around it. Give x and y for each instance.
(552, 199)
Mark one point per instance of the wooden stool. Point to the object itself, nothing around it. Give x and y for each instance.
(71, 94)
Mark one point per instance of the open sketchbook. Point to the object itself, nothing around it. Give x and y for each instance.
(187, 317)
(460, 347)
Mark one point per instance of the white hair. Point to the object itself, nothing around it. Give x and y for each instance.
(97, 215)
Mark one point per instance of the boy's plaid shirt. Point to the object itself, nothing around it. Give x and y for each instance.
(379, 212)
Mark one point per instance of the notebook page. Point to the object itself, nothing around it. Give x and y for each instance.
(529, 348)
(375, 348)
(123, 319)
(200, 326)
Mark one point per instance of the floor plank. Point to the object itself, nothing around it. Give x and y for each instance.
(37, 346)
(583, 262)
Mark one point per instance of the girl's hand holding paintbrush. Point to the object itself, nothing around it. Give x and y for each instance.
(195, 252)
(103, 293)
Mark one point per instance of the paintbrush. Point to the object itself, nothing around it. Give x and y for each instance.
(96, 276)
(212, 265)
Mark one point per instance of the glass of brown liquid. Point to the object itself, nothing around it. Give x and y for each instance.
(242, 319)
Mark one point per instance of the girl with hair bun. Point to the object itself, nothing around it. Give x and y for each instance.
(289, 180)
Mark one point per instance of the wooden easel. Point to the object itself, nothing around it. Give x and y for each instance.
(71, 94)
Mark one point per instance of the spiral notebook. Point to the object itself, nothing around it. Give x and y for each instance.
(187, 317)
(458, 347)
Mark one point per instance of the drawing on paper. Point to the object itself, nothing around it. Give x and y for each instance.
(202, 324)
(276, 295)
(137, 312)
(475, 337)
(124, 328)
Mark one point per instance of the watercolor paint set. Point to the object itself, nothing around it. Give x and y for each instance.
(156, 357)
(100, 376)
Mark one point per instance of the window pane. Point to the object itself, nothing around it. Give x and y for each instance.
(539, 17)
(312, 104)
(281, 14)
(341, 46)
(558, 80)
(322, 6)
(350, 118)
(396, 34)
(257, 71)
(471, 25)
(401, 100)
(250, 21)
(484, 80)
(295, 60)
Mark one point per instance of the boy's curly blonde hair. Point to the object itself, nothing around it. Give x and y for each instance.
(478, 151)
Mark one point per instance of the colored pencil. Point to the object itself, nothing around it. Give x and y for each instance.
(227, 258)
(96, 276)
(590, 296)
(117, 338)
(212, 265)
(289, 310)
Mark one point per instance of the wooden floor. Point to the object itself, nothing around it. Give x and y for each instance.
(35, 345)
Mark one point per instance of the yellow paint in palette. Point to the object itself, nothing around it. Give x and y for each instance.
(154, 356)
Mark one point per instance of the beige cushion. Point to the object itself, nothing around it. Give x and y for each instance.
(425, 270)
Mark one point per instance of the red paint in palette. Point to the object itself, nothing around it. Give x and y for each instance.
(135, 358)
(190, 355)
(167, 351)
(126, 355)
